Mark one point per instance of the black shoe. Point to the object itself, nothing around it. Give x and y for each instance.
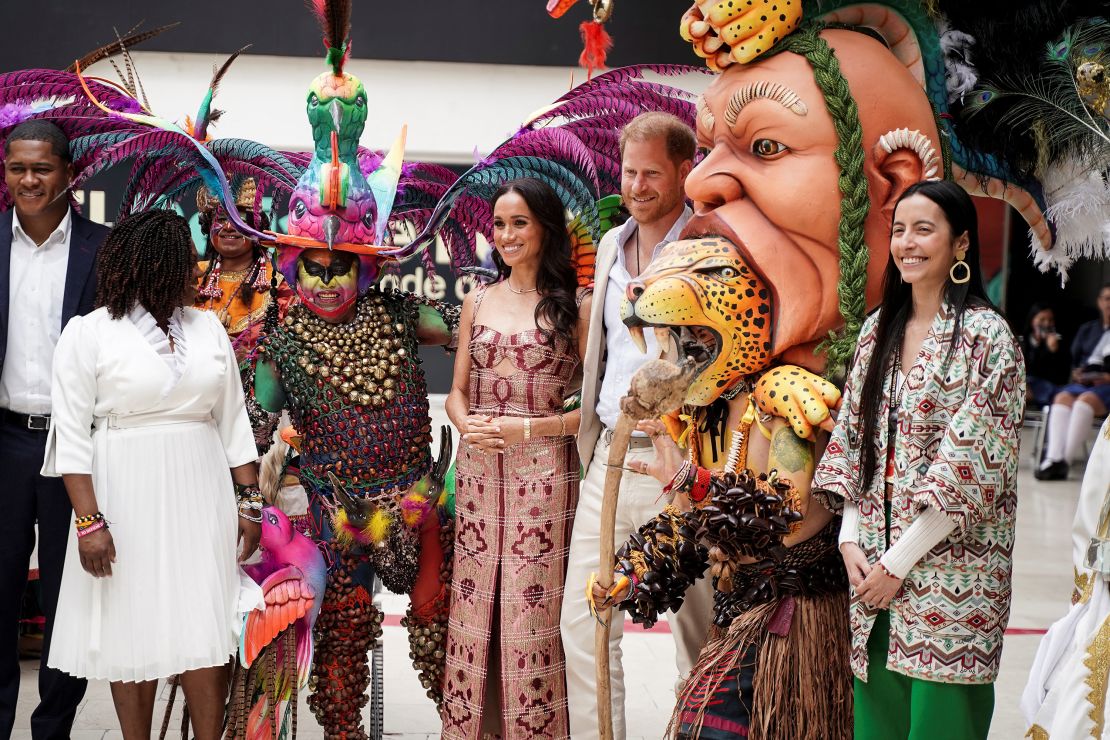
(1056, 471)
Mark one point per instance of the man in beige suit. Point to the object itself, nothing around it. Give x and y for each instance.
(657, 152)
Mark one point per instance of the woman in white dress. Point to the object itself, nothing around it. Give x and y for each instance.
(149, 432)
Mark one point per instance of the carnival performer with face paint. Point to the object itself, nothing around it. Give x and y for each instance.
(151, 586)
(238, 284)
(345, 366)
(517, 476)
(344, 363)
(924, 456)
(235, 283)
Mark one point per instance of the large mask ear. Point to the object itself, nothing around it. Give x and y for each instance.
(902, 157)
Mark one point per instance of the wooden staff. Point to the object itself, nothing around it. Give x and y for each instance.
(657, 388)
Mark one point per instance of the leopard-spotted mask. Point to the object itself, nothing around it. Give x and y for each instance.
(716, 306)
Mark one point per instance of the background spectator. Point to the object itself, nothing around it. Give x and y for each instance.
(1047, 359)
(1077, 404)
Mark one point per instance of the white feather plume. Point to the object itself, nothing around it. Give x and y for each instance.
(960, 72)
(291, 499)
(1078, 197)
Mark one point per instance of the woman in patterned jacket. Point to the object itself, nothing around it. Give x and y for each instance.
(923, 463)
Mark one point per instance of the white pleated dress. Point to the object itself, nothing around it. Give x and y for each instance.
(158, 431)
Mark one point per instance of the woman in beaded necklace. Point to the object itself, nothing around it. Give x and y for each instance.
(517, 477)
(235, 283)
(923, 462)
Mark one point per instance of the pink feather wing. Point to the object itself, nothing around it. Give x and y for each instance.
(288, 597)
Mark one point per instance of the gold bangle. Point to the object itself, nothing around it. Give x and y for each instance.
(562, 425)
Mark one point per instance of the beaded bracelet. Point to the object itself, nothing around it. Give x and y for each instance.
(94, 527)
(250, 496)
(88, 520)
(682, 479)
(250, 502)
(527, 429)
(243, 490)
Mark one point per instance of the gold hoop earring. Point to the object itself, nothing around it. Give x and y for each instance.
(967, 272)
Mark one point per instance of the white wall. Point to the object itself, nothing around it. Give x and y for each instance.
(451, 109)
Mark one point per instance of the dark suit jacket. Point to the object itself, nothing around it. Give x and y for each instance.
(80, 291)
(1085, 342)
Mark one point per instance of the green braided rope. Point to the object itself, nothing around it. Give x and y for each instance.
(855, 201)
(945, 147)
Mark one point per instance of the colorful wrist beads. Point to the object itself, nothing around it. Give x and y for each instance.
(86, 525)
(250, 502)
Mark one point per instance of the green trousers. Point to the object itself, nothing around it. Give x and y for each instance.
(891, 706)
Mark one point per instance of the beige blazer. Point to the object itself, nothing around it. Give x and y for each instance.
(593, 366)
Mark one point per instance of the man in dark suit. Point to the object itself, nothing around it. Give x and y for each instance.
(47, 253)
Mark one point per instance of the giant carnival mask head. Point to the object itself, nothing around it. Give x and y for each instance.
(794, 186)
(335, 205)
(792, 202)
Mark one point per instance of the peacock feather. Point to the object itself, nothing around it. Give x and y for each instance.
(1050, 103)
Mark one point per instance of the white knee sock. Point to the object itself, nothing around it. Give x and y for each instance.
(1058, 418)
(1079, 428)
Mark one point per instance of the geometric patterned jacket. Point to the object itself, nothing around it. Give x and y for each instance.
(956, 451)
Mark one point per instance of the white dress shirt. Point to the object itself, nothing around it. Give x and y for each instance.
(1098, 356)
(623, 357)
(37, 285)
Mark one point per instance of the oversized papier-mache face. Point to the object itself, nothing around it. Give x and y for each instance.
(773, 182)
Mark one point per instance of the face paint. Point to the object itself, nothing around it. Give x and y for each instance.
(226, 239)
(327, 282)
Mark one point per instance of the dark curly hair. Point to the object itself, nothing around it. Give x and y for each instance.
(557, 312)
(247, 289)
(147, 259)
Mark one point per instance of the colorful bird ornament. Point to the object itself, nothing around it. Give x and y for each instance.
(292, 575)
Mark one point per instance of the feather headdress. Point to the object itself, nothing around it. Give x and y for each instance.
(334, 17)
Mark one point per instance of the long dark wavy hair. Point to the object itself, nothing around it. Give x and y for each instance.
(246, 289)
(556, 282)
(959, 212)
(146, 259)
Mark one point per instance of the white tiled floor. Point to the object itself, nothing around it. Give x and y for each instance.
(1041, 592)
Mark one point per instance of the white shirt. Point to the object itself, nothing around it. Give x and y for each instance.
(37, 287)
(623, 358)
(1098, 356)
